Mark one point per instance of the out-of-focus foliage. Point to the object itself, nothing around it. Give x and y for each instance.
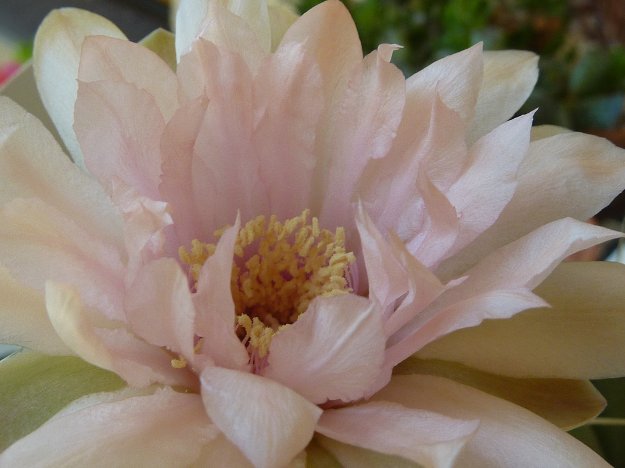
(582, 82)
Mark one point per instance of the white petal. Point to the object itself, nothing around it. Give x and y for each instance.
(509, 78)
(269, 423)
(424, 437)
(56, 56)
(508, 435)
(159, 430)
(334, 351)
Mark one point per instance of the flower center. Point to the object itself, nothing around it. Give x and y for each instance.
(278, 269)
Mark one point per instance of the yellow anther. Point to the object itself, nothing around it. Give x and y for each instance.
(291, 263)
(179, 363)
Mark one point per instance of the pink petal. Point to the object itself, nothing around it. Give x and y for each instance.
(425, 437)
(328, 33)
(39, 243)
(287, 104)
(569, 174)
(159, 307)
(177, 143)
(146, 224)
(527, 261)
(387, 278)
(269, 423)
(247, 36)
(107, 58)
(424, 288)
(508, 435)
(498, 287)
(163, 429)
(489, 179)
(334, 351)
(215, 321)
(114, 349)
(456, 78)
(399, 194)
(225, 130)
(361, 126)
(119, 128)
(430, 225)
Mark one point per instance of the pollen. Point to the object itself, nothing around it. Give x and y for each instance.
(279, 268)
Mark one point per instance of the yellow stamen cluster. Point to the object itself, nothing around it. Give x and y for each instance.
(279, 268)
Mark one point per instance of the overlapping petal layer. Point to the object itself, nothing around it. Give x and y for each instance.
(445, 216)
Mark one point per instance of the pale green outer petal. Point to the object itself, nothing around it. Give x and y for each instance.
(545, 131)
(22, 89)
(281, 17)
(165, 429)
(508, 436)
(56, 56)
(23, 318)
(162, 43)
(566, 403)
(580, 337)
(509, 78)
(34, 387)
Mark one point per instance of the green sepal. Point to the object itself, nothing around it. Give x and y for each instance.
(34, 387)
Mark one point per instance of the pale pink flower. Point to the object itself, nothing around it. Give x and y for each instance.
(361, 218)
